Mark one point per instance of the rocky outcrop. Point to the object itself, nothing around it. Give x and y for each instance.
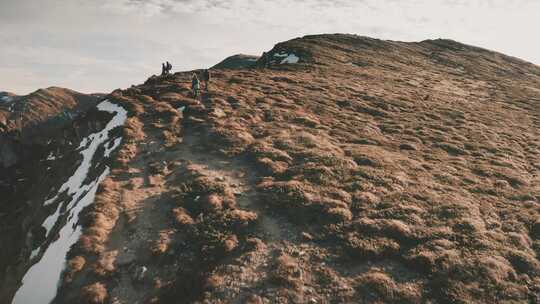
(8, 152)
(239, 61)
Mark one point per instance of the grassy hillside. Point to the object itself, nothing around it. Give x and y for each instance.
(339, 169)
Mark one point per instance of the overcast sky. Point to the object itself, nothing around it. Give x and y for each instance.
(101, 45)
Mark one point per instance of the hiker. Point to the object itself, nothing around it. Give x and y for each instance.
(163, 69)
(195, 85)
(75, 128)
(206, 78)
(169, 67)
(265, 59)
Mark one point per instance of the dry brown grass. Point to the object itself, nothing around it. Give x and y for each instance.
(230, 243)
(74, 265)
(163, 243)
(95, 293)
(214, 281)
(105, 265)
(287, 271)
(441, 192)
(182, 217)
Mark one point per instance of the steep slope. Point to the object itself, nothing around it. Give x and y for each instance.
(37, 136)
(339, 169)
(32, 118)
(37, 107)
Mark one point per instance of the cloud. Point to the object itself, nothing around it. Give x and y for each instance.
(152, 8)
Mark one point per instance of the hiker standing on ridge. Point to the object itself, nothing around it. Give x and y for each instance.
(163, 69)
(265, 59)
(195, 85)
(169, 67)
(206, 79)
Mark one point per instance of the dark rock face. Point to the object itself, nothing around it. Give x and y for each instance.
(8, 152)
(31, 127)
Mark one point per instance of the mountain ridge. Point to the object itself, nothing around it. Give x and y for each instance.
(337, 169)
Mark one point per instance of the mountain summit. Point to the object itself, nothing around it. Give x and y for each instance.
(335, 169)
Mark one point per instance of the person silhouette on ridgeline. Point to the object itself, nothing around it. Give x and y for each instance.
(195, 85)
(206, 78)
(163, 69)
(169, 67)
(265, 60)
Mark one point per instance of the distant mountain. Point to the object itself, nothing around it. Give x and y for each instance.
(31, 118)
(6, 96)
(20, 112)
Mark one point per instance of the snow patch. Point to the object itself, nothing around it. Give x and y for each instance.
(116, 143)
(292, 58)
(288, 58)
(91, 143)
(51, 156)
(34, 253)
(40, 281)
(281, 54)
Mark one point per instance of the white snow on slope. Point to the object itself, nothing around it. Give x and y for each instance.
(292, 58)
(40, 282)
(288, 58)
(282, 55)
(51, 156)
(116, 143)
(75, 181)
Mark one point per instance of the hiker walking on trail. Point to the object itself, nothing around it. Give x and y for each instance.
(206, 78)
(195, 85)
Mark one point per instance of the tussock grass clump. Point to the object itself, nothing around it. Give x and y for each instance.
(214, 281)
(287, 271)
(376, 285)
(163, 243)
(394, 229)
(370, 247)
(105, 265)
(94, 293)
(292, 196)
(74, 265)
(133, 130)
(182, 216)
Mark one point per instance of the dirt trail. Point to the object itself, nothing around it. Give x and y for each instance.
(146, 214)
(242, 178)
